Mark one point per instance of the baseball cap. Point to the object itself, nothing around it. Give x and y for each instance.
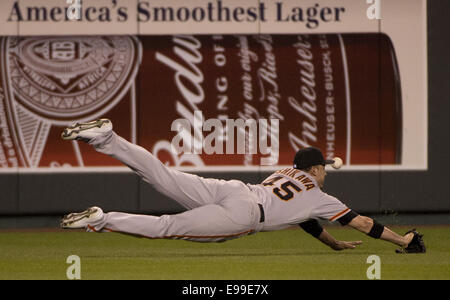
(308, 157)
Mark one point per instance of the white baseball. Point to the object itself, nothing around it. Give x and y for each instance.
(337, 163)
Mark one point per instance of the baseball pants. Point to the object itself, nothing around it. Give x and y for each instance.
(217, 210)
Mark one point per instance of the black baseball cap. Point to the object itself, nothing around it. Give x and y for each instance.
(308, 157)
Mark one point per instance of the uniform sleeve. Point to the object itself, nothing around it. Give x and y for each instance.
(329, 208)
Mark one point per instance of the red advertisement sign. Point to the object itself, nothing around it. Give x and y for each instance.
(338, 92)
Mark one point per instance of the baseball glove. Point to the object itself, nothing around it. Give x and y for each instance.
(415, 246)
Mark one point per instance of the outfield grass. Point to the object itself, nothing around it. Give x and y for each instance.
(288, 254)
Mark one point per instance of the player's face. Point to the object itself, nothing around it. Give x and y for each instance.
(320, 175)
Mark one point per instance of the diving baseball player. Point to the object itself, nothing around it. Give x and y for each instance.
(219, 210)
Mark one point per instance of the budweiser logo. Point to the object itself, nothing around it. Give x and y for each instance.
(188, 80)
(69, 78)
(306, 83)
(53, 81)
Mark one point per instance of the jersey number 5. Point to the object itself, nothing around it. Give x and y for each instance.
(283, 192)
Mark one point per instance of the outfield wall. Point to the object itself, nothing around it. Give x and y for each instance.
(369, 191)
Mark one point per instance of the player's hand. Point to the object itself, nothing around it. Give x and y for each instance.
(342, 245)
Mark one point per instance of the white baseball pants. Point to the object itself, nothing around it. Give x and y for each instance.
(218, 210)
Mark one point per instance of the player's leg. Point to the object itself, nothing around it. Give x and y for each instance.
(189, 190)
(235, 215)
(209, 223)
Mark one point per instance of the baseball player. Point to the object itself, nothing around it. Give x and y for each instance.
(219, 210)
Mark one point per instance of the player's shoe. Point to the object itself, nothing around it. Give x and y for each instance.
(86, 131)
(82, 219)
(415, 246)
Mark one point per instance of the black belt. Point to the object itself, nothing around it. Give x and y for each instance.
(262, 217)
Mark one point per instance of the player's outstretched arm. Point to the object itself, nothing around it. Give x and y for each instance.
(313, 227)
(374, 229)
(326, 238)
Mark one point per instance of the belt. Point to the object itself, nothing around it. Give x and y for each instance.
(262, 217)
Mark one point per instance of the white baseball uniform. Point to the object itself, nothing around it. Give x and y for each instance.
(217, 210)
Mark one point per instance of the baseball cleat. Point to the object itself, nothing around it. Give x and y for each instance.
(415, 246)
(82, 219)
(86, 131)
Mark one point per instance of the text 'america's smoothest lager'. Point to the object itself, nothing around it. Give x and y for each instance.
(338, 92)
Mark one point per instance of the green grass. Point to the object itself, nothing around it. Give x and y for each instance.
(288, 254)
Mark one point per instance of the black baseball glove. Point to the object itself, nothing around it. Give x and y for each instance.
(415, 246)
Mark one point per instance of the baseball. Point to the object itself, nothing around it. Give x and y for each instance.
(337, 163)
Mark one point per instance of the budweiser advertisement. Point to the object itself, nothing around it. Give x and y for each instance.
(339, 92)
